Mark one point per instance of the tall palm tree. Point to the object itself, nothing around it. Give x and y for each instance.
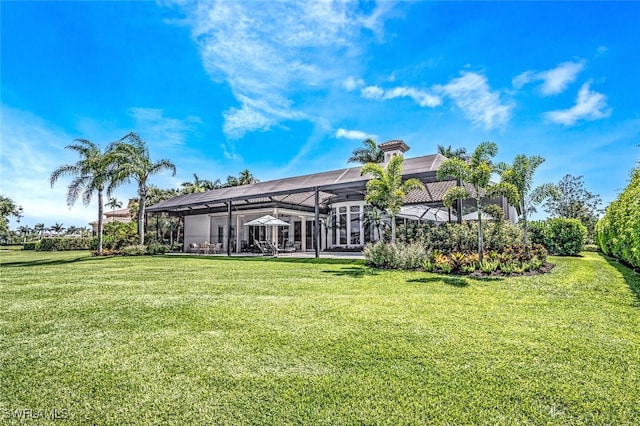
(93, 172)
(247, 178)
(24, 230)
(449, 152)
(72, 230)
(198, 185)
(58, 228)
(460, 153)
(38, 228)
(113, 204)
(520, 174)
(477, 172)
(386, 189)
(131, 155)
(369, 154)
(231, 181)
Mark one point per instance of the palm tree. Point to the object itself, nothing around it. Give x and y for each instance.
(72, 230)
(198, 185)
(93, 172)
(520, 174)
(369, 154)
(387, 190)
(24, 230)
(477, 172)
(373, 219)
(449, 152)
(38, 228)
(58, 228)
(133, 162)
(460, 153)
(247, 178)
(113, 204)
(231, 181)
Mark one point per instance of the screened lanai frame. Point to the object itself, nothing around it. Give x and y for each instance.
(312, 193)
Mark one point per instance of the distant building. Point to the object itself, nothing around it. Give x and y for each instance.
(121, 215)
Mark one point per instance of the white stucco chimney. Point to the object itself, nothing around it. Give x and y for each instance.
(393, 147)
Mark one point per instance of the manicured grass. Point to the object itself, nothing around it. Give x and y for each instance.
(201, 340)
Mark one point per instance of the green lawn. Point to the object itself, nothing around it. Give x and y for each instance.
(202, 340)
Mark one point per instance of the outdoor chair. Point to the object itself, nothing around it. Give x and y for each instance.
(193, 248)
(288, 247)
(264, 248)
(215, 248)
(204, 248)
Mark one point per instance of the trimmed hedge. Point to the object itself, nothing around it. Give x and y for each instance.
(618, 232)
(31, 245)
(63, 244)
(560, 236)
(453, 237)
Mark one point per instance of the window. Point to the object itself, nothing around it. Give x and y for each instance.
(342, 226)
(354, 216)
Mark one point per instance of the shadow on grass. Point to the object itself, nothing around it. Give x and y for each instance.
(631, 277)
(51, 262)
(309, 260)
(353, 272)
(452, 281)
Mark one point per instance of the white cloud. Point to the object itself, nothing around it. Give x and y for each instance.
(589, 106)
(351, 83)
(372, 92)
(421, 97)
(473, 96)
(353, 134)
(155, 127)
(230, 153)
(270, 51)
(554, 81)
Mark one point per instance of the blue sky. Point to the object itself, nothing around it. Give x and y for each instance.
(289, 88)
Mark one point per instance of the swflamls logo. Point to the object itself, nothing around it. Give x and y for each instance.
(31, 414)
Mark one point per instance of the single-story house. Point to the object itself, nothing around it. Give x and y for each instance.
(324, 210)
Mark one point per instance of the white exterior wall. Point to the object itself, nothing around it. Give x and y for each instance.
(196, 230)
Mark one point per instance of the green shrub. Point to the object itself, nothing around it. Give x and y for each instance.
(30, 245)
(395, 256)
(565, 237)
(488, 266)
(427, 265)
(560, 236)
(618, 232)
(454, 237)
(63, 244)
(135, 250)
(116, 235)
(157, 248)
(381, 255)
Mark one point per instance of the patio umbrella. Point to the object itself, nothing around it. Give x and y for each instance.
(424, 213)
(267, 220)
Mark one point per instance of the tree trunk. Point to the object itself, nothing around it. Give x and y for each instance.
(142, 191)
(100, 222)
(459, 203)
(480, 239)
(393, 228)
(524, 229)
